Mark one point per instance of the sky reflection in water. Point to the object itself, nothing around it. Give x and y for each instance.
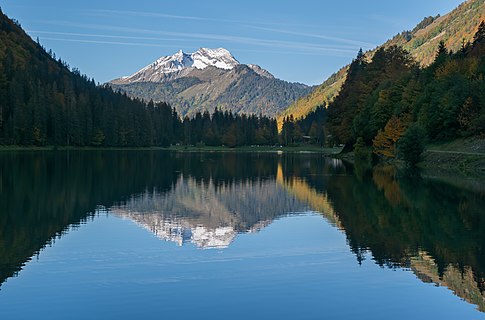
(243, 236)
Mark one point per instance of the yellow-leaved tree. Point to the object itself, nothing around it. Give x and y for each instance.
(384, 142)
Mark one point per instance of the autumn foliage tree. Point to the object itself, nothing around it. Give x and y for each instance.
(386, 93)
(385, 141)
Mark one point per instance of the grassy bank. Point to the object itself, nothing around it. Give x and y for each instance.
(465, 156)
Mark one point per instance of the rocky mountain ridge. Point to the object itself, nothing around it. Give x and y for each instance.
(210, 78)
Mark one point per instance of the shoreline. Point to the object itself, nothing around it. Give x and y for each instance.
(255, 149)
(460, 158)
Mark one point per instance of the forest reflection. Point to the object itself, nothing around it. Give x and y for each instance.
(433, 228)
(402, 221)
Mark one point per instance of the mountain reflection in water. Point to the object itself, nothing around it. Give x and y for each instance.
(432, 228)
(209, 215)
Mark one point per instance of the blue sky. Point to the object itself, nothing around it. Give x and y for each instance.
(299, 40)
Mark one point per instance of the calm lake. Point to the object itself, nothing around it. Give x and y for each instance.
(153, 234)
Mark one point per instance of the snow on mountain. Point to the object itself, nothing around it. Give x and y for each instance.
(208, 214)
(219, 58)
(181, 231)
(173, 63)
(181, 64)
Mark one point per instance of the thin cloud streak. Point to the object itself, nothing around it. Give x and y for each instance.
(183, 17)
(217, 37)
(244, 23)
(101, 35)
(169, 46)
(157, 15)
(107, 42)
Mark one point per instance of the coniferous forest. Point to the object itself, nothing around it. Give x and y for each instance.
(388, 103)
(43, 102)
(391, 104)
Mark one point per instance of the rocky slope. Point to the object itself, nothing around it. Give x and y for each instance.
(210, 78)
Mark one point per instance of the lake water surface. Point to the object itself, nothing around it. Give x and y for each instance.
(153, 234)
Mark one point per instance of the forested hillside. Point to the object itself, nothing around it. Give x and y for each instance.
(43, 102)
(391, 100)
(454, 29)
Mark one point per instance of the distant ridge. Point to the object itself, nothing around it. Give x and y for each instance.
(210, 78)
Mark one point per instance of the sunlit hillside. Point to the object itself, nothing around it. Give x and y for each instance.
(454, 28)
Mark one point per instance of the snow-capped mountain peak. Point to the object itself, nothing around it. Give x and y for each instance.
(180, 63)
(219, 58)
(168, 64)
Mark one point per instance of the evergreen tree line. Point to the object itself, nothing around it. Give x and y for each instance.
(391, 97)
(384, 103)
(43, 102)
(225, 128)
(310, 129)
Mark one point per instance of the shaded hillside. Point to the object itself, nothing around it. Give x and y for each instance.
(43, 102)
(453, 28)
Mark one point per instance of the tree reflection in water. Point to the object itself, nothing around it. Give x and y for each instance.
(433, 228)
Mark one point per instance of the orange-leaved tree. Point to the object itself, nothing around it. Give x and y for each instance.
(384, 142)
